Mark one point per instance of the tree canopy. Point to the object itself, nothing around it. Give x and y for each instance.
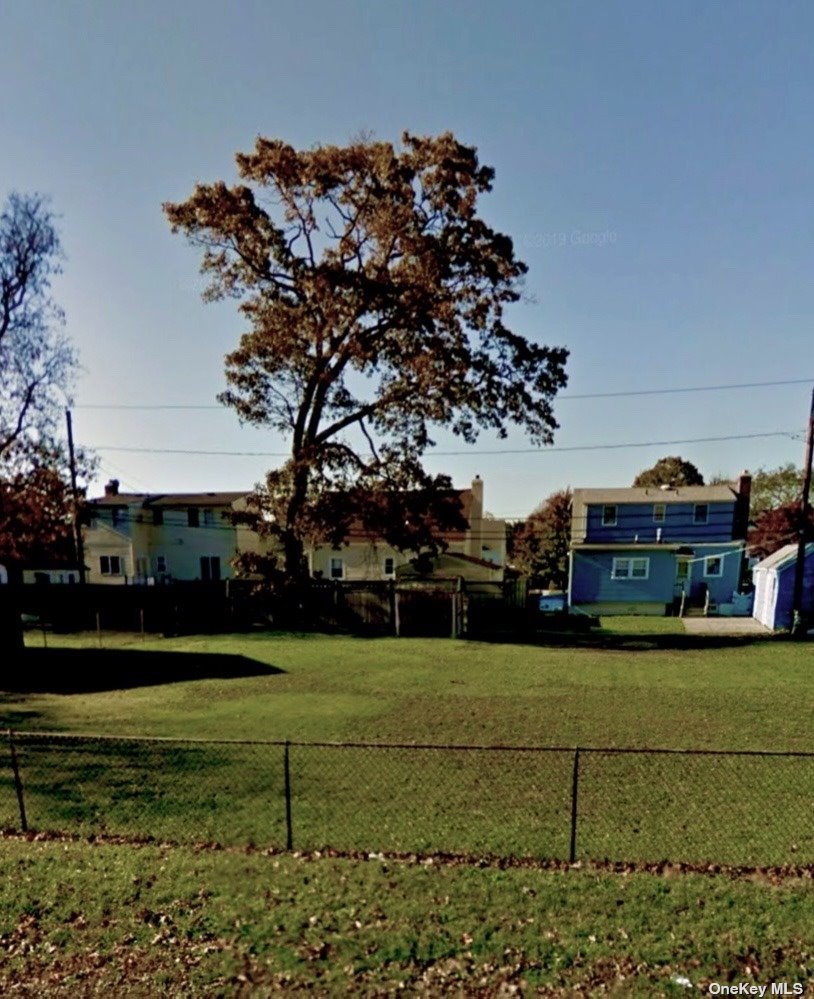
(775, 487)
(374, 295)
(36, 366)
(37, 363)
(36, 359)
(777, 527)
(539, 546)
(670, 471)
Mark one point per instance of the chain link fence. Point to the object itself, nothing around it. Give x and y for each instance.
(743, 808)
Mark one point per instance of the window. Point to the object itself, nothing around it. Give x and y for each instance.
(117, 516)
(389, 566)
(337, 568)
(609, 516)
(700, 513)
(160, 563)
(714, 566)
(208, 518)
(110, 565)
(659, 513)
(158, 517)
(193, 516)
(630, 568)
(210, 568)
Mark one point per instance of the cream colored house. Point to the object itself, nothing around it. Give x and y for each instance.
(149, 538)
(367, 558)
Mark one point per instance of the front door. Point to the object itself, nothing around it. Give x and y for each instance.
(682, 575)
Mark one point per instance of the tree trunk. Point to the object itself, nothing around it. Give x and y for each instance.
(11, 624)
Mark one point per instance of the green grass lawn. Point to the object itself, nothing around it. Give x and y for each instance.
(614, 691)
(117, 920)
(755, 695)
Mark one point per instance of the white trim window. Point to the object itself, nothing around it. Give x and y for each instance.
(337, 569)
(110, 565)
(700, 513)
(389, 566)
(630, 568)
(714, 565)
(659, 513)
(610, 515)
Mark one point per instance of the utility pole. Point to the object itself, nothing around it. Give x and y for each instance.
(79, 547)
(798, 627)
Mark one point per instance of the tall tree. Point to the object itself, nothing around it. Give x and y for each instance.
(775, 487)
(36, 366)
(36, 359)
(539, 546)
(671, 471)
(374, 294)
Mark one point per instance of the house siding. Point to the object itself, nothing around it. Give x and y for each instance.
(663, 526)
(635, 523)
(774, 590)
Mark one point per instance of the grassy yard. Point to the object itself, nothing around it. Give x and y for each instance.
(633, 689)
(639, 691)
(117, 920)
(125, 920)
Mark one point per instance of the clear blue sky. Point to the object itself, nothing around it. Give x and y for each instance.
(677, 136)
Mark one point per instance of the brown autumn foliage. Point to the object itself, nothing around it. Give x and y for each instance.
(374, 296)
(540, 545)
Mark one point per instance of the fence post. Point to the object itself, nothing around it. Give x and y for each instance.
(289, 838)
(18, 784)
(572, 853)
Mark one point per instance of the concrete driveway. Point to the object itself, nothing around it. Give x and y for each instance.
(724, 626)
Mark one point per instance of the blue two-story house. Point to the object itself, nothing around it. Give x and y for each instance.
(655, 550)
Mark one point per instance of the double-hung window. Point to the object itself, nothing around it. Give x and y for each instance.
(630, 568)
(110, 565)
(337, 568)
(713, 565)
(659, 513)
(700, 513)
(210, 568)
(609, 515)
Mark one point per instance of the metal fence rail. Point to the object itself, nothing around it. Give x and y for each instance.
(568, 803)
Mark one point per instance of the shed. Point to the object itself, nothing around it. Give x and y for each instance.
(774, 587)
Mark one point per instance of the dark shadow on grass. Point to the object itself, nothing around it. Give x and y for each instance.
(79, 671)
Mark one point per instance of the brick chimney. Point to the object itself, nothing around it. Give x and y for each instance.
(740, 524)
(112, 488)
(475, 540)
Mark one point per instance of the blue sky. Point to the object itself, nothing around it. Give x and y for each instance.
(654, 166)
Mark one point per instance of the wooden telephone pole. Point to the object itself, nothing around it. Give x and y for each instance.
(79, 546)
(799, 624)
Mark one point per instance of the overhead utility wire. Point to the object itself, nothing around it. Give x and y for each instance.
(565, 395)
(471, 451)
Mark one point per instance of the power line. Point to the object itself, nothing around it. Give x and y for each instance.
(472, 451)
(564, 396)
(691, 388)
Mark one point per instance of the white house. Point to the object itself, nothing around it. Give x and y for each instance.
(774, 587)
(143, 538)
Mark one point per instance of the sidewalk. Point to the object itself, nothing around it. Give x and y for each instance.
(724, 626)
